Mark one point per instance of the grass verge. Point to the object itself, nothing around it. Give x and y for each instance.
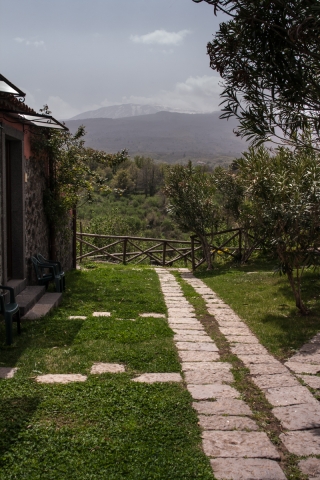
(265, 301)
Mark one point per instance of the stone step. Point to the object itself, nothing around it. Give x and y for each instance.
(45, 304)
(29, 297)
(18, 285)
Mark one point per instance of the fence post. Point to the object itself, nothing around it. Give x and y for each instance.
(192, 254)
(240, 244)
(164, 253)
(80, 241)
(125, 241)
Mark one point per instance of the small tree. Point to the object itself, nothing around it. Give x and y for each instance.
(191, 202)
(283, 207)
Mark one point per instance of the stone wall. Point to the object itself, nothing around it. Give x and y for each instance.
(1, 205)
(37, 231)
(36, 223)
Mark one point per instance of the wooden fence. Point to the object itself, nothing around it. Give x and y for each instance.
(158, 251)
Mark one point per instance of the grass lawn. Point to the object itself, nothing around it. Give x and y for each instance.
(107, 427)
(265, 301)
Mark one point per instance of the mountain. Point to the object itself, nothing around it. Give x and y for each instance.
(166, 136)
(123, 111)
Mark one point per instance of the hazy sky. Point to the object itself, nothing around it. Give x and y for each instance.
(78, 55)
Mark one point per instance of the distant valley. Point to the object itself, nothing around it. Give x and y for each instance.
(165, 136)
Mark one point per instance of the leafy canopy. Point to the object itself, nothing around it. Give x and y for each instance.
(191, 198)
(282, 207)
(268, 57)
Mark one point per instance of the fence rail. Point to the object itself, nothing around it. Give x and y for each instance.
(159, 251)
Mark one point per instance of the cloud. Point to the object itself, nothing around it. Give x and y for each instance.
(196, 94)
(161, 37)
(61, 109)
(34, 43)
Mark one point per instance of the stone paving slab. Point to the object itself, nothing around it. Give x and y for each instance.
(242, 339)
(248, 349)
(228, 317)
(246, 469)
(313, 358)
(268, 369)
(193, 337)
(205, 366)
(199, 347)
(222, 422)
(220, 308)
(77, 317)
(212, 302)
(289, 396)
(202, 290)
(153, 315)
(203, 377)
(185, 320)
(310, 348)
(310, 467)
(180, 310)
(98, 368)
(192, 332)
(188, 326)
(204, 392)
(158, 377)
(315, 339)
(298, 367)
(8, 372)
(298, 417)
(223, 406)
(196, 356)
(238, 444)
(228, 323)
(253, 359)
(276, 380)
(61, 378)
(175, 303)
(101, 314)
(172, 292)
(312, 381)
(181, 314)
(239, 330)
(302, 443)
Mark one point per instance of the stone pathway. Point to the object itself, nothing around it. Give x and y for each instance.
(230, 437)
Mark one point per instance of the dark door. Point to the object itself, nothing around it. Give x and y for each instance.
(9, 209)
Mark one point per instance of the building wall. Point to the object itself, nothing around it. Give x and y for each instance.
(37, 232)
(30, 226)
(2, 137)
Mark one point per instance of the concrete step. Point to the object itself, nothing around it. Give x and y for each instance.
(45, 304)
(18, 285)
(29, 297)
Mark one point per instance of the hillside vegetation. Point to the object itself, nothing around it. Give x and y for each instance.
(166, 137)
(136, 206)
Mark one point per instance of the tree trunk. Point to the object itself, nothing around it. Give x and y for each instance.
(295, 286)
(206, 251)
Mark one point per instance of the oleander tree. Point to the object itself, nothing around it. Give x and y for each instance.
(282, 207)
(268, 56)
(191, 201)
